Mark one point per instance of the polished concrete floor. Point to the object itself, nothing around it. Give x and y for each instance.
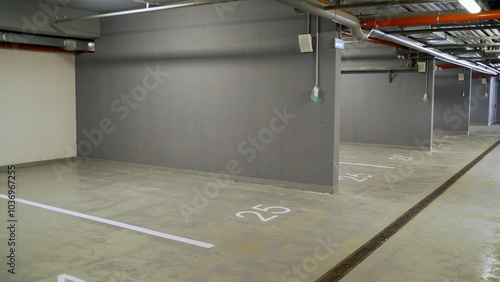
(97, 221)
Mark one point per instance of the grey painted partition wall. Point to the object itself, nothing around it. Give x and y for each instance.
(482, 93)
(452, 100)
(213, 89)
(374, 110)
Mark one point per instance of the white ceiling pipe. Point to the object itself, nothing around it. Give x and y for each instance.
(489, 32)
(180, 4)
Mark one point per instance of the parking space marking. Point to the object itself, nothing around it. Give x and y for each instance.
(369, 165)
(66, 277)
(115, 223)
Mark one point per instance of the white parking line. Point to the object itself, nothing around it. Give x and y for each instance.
(115, 223)
(379, 166)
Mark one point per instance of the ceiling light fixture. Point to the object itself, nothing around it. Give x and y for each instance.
(471, 6)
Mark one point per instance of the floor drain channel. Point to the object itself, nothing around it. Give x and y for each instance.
(349, 263)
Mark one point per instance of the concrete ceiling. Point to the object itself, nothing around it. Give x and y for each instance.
(105, 6)
(481, 38)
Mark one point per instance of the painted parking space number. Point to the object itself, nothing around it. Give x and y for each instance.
(401, 158)
(356, 177)
(260, 210)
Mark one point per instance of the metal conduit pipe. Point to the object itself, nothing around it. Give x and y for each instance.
(358, 33)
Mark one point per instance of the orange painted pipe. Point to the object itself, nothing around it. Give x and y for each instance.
(448, 66)
(325, 2)
(437, 19)
(482, 75)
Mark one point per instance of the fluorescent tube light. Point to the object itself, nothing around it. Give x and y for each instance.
(471, 6)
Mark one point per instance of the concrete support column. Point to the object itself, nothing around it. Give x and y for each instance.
(468, 97)
(497, 108)
(329, 82)
(430, 72)
(493, 92)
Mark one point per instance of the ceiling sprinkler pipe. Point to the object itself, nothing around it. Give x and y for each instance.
(166, 6)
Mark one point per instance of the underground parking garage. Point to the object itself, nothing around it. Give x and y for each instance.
(255, 140)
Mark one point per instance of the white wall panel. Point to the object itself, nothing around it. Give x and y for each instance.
(37, 106)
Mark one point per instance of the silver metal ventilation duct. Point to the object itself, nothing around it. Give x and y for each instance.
(338, 16)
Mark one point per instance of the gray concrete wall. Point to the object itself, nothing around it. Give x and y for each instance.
(480, 102)
(214, 88)
(452, 100)
(374, 110)
(37, 18)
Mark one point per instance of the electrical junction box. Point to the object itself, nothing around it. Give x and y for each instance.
(339, 43)
(69, 45)
(461, 77)
(305, 43)
(421, 66)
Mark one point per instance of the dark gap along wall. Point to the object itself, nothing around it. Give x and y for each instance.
(376, 111)
(215, 88)
(452, 100)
